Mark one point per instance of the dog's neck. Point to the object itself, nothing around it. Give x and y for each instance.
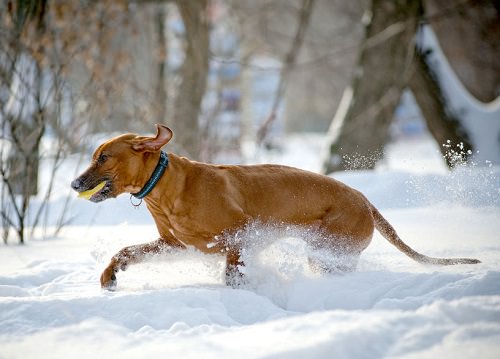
(155, 177)
(164, 197)
(170, 185)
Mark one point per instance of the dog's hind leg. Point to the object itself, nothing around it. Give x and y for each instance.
(332, 255)
(342, 238)
(132, 255)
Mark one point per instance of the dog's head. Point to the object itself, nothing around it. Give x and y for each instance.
(118, 165)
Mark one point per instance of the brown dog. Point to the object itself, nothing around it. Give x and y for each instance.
(194, 204)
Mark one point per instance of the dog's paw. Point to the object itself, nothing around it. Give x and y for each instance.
(108, 279)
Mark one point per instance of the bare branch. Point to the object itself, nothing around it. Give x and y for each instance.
(288, 64)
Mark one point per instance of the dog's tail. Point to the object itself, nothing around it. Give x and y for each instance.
(385, 228)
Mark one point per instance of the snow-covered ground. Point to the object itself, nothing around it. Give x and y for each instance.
(51, 304)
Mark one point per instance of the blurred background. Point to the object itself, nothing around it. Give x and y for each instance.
(237, 80)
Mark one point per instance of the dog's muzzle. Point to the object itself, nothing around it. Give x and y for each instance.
(81, 185)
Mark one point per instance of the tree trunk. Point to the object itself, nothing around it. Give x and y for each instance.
(379, 80)
(469, 36)
(160, 101)
(22, 111)
(194, 73)
(441, 122)
(23, 162)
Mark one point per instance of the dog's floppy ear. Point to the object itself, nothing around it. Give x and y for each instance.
(152, 144)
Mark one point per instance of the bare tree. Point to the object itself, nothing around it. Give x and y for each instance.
(60, 65)
(468, 33)
(389, 62)
(442, 123)
(23, 113)
(160, 103)
(379, 80)
(193, 75)
(303, 18)
(322, 38)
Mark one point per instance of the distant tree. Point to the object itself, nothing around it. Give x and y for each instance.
(59, 66)
(442, 123)
(23, 113)
(314, 43)
(193, 74)
(379, 79)
(289, 60)
(469, 36)
(389, 62)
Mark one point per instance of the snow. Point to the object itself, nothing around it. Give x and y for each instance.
(51, 304)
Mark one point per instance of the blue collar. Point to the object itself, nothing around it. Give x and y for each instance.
(155, 177)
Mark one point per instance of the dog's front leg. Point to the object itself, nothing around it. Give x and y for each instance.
(234, 277)
(132, 255)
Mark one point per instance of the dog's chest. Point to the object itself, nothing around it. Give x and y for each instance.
(182, 225)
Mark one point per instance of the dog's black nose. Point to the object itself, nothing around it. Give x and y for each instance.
(76, 184)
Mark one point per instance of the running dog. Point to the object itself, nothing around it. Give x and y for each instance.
(196, 204)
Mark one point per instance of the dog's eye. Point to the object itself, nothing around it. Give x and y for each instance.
(102, 158)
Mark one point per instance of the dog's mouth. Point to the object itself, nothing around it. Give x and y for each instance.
(98, 193)
(102, 194)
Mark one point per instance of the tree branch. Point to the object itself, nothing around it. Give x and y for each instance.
(288, 65)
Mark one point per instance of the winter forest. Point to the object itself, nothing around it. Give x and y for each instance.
(398, 99)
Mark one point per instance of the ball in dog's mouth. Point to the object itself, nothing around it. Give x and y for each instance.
(98, 193)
